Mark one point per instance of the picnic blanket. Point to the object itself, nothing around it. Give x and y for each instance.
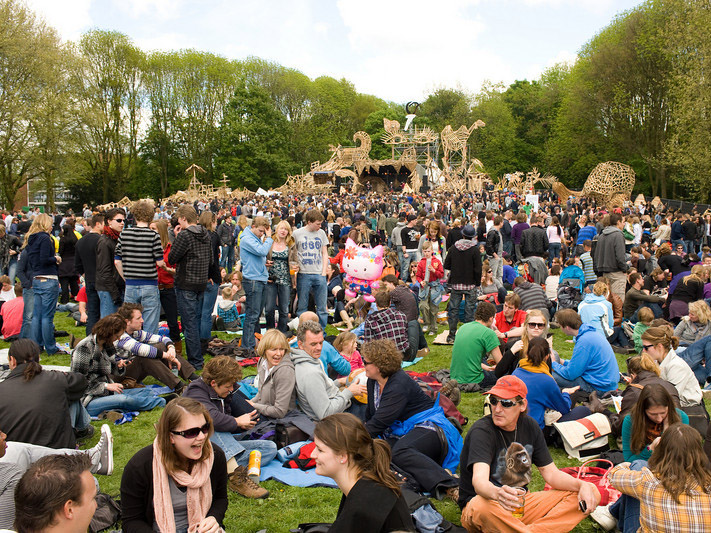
(416, 360)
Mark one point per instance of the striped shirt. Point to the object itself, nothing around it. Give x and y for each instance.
(140, 343)
(138, 249)
(587, 261)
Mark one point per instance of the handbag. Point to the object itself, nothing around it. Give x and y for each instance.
(585, 438)
(597, 476)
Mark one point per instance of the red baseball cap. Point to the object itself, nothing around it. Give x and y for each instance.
(508, 387)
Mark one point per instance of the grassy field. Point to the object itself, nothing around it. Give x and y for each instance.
(288, 506)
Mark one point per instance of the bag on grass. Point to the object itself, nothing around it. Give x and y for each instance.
(597, 476)
(585, 438)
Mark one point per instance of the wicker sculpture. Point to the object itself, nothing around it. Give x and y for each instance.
(610, 184)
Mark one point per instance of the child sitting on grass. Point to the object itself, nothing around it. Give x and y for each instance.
(346, 343)
(644, 321)
(227, 310)
(552, 282)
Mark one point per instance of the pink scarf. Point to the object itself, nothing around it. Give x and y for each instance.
(199, 497)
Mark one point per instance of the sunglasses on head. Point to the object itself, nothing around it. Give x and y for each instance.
(506, 404)
(537, 325)
(193, 432)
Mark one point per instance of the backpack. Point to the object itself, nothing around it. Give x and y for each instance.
(569, 295)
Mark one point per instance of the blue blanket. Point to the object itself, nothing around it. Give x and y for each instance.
(294, 476)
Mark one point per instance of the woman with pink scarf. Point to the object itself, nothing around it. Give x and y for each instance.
(179, 483)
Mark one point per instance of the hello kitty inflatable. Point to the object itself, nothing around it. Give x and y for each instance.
(363, 268)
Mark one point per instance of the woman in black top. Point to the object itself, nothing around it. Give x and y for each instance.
(424, 443)
(360, 466)
(689, 289)
(668, 261)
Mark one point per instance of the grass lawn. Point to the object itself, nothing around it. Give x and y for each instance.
(288, 506)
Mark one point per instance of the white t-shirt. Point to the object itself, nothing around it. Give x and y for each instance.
(309, 250)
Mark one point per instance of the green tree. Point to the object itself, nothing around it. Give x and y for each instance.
(253, 137)
(30, 68)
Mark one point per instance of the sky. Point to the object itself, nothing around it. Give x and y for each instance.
(398, 50)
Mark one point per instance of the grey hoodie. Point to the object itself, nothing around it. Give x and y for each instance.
(276, 395)
(610, 251)
(317, 394)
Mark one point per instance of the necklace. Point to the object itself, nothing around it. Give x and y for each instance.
(515, 439)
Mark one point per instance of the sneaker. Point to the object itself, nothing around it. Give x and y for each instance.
(240, 483)
(450, 340)
(102, 455)
(602, 516)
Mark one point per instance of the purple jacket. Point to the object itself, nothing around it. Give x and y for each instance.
(517, 230)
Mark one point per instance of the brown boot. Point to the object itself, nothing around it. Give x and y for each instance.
(240, 483)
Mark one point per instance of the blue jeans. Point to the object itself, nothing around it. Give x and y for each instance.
(149, 297)
(254, 291)
(689, 246)
(208, 304)
(227, 257)
(79, 415)
(626, 509)
(128, 400)
(305, 284)
(189, 307)
(656, 309)
(455, 300)
(12, 269)
(277, 299)
(695, 355)
(93, 307)
(553, 252)
(240, 449)
(566, 383)
(46, 292)
(619, 337)
(106, 304)
(28, 296)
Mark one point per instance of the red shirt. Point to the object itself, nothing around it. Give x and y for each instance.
(12, 317)
(166, 278)
(503, 326)
(81, 295)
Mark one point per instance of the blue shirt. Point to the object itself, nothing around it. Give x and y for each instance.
(509, 274)
(253, 254)
(593, 360)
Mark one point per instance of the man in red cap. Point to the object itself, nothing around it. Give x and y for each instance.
(508, 436)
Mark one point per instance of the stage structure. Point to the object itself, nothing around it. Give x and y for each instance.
(414, 162)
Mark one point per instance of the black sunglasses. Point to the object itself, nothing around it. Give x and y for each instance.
(647, 346)
(118, 220)
(366, 363)
(506, 404)
(537, 325)
(193, 432)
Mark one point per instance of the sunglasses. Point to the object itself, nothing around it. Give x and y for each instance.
(366, 363)
(118, 220)
(647, 346)
(536, 325)
(193, 432)
(506, 404)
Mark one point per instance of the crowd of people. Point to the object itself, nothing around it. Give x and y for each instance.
(631, 280)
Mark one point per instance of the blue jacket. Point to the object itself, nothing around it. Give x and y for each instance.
(24, 272)
(591, 311)
(253, 253)
(593, 360)
(543, 393)
(40, 254)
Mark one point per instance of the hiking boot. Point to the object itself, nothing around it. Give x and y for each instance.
(450, 340)
(452, 494)
(451, 390)
(102, 455)
(84, 434)
(595, 405)
(240, 483)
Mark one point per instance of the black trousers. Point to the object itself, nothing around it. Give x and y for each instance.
(417, 455)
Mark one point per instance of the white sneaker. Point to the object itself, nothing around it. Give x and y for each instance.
(602, 516)
(102, 455)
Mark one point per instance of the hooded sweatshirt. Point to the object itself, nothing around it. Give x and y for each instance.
(463, 260)
(610, 251)
(277, 389)
(592, 309)
(317, 394)
(192, 254)
(593, 360)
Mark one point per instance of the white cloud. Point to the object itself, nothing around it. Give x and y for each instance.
(564, 56)
(162, 9)
(69, 17)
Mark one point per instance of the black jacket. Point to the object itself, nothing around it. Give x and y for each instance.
(463, 260)
(137, 511)
(534, 241)
(37, 411)
(107, 277)
(85, 257)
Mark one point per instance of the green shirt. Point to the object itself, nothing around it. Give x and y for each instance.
(472, 343)
(639, 328)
